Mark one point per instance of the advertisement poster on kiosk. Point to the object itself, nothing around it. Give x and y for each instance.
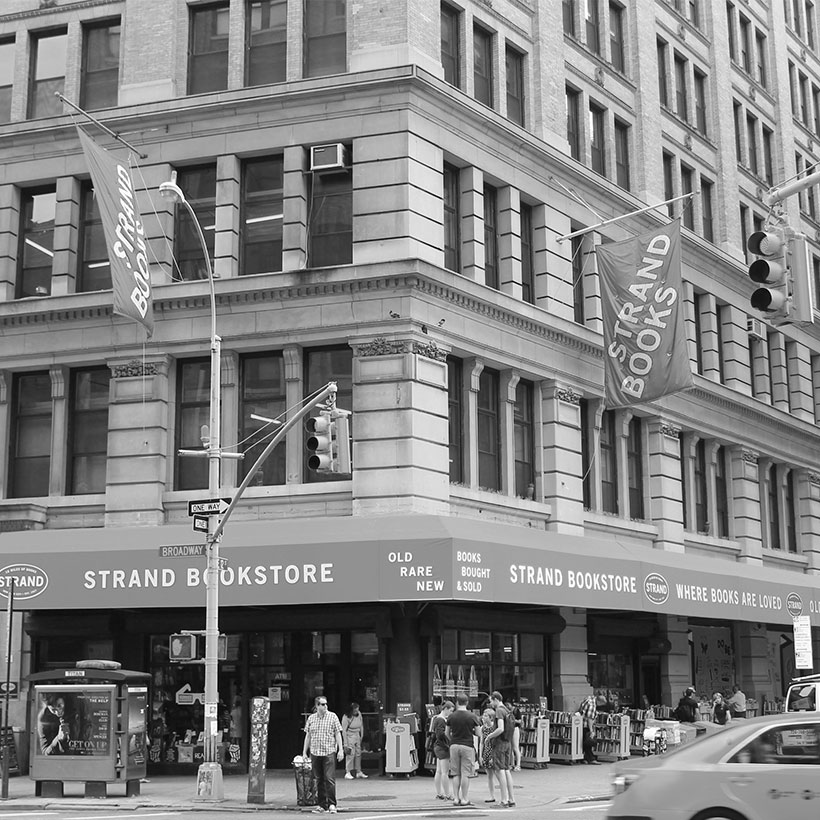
(74, 721)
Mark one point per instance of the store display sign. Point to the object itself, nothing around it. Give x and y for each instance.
(421, 558)
(74, 721)
(803, 654)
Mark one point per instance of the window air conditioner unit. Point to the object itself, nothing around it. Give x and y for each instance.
(755, 328)
(324, 158)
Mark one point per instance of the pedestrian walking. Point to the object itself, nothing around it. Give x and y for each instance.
(502, 737)
(323, 740)
(462, 727)
(588, 711)
(441, 750)
(352, 734)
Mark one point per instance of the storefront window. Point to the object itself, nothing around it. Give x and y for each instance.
(611, 675)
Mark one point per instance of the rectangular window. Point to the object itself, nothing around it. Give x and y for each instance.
(796, 23)
(597, 146)
(208, 49)
(199, 186)
(745, 43)
(483, 65)
(687, 186)
(94, 267)
(578, 279)
(593, 26)
(262, 393)
(730, 26)
(622, 154)
(738, 119)
(574, 122)
(609, 463)
(803, 87)
(707, 209)
(515, 86)
(681, 99)
(586, 459)
(88, 431)
(768, 155)
(634, 461)
(527, 266)
(454, 426)
(789, 513)
(490, 237)
(760, 52)
(700, 101)
(30, 435)
(48, 62)
(616, 37)
(663, 85)
(452, 219)
(36, 250)
(774, 508)
(330, 228)
(694, 13)
(523, 440)
(701, 501)
(722, 479)
(489, 460)
(193, 411)
(569, 17)
(101, 65)
(751, 141)
(261, 218)
(793, 89)
(266, 60)
(669, 182)
(325, 47)
(323, 366)
(6, 78)
(810, 23)
(449, 45)
(698, 312)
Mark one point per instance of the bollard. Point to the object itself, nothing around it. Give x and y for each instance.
(209, 785)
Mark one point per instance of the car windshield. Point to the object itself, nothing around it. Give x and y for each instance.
(802, 698)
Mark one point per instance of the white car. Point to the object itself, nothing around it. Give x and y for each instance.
(765, 768)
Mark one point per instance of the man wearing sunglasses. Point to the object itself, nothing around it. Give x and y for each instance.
(323, 739)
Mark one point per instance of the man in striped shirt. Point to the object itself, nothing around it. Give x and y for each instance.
(323, 739)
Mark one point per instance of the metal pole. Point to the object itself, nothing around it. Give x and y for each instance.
(4, 788)
(105, 128)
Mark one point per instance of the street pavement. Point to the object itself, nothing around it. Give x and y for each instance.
(560, 783)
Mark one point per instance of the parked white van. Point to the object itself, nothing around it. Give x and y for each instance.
(803, 695)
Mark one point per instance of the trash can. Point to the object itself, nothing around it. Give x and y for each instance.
(305, 782)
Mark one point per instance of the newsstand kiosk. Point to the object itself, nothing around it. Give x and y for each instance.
(89, 725)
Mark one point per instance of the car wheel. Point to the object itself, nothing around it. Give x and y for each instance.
(718, 814)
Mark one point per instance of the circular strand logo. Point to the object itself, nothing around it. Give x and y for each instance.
(29, 581)
(794, 604)
(656, 588)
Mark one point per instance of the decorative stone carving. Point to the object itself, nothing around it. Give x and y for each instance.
(381, 347)
(670, 430)
(599, 76)
(750, 457)
(134, 368)
(429, 350)
(687, 141)
(814, 478)
(568, 395)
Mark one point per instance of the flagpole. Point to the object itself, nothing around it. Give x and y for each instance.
(101, 125)
(624, 216)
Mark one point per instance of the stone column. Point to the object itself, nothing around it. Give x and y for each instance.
(5, 433)
(710, 355)
(553, 262)
(808, 510)
(9, 241)
(568, 661)
(471, 371)
(801, 398)
(158, 222)
(401, 455)
(294, 209)
(736, 350)
(508, 382)
(561, 455)
(688, 442)
(665, 490)
(294, 392)
(676, 667)
(747, 513)
(226, 232)
(751, 660)
(779, 371)
(761, 375)
(66, 236)
(472, 223)
(137, 442)
(59, 429)
(509, 241)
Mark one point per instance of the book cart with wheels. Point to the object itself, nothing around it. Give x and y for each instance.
(611, 737)
(534, 741)
(565, 734)
(637, 723)
(431, 710)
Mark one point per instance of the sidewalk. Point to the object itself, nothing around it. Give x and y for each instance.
(533, 788)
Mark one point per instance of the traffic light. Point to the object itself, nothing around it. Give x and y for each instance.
(771, 271)
(182, 647)
(329, 442)
(783, 270)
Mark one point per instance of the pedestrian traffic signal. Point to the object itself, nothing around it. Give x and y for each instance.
(329, 442)
(802, 280)
(771, 271)
(182, 647)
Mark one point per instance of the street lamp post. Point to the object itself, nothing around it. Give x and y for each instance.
(209, 780)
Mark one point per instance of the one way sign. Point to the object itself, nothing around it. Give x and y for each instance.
(209, 506)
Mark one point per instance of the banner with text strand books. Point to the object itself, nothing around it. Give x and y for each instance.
(646, 355)
(124, 234)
